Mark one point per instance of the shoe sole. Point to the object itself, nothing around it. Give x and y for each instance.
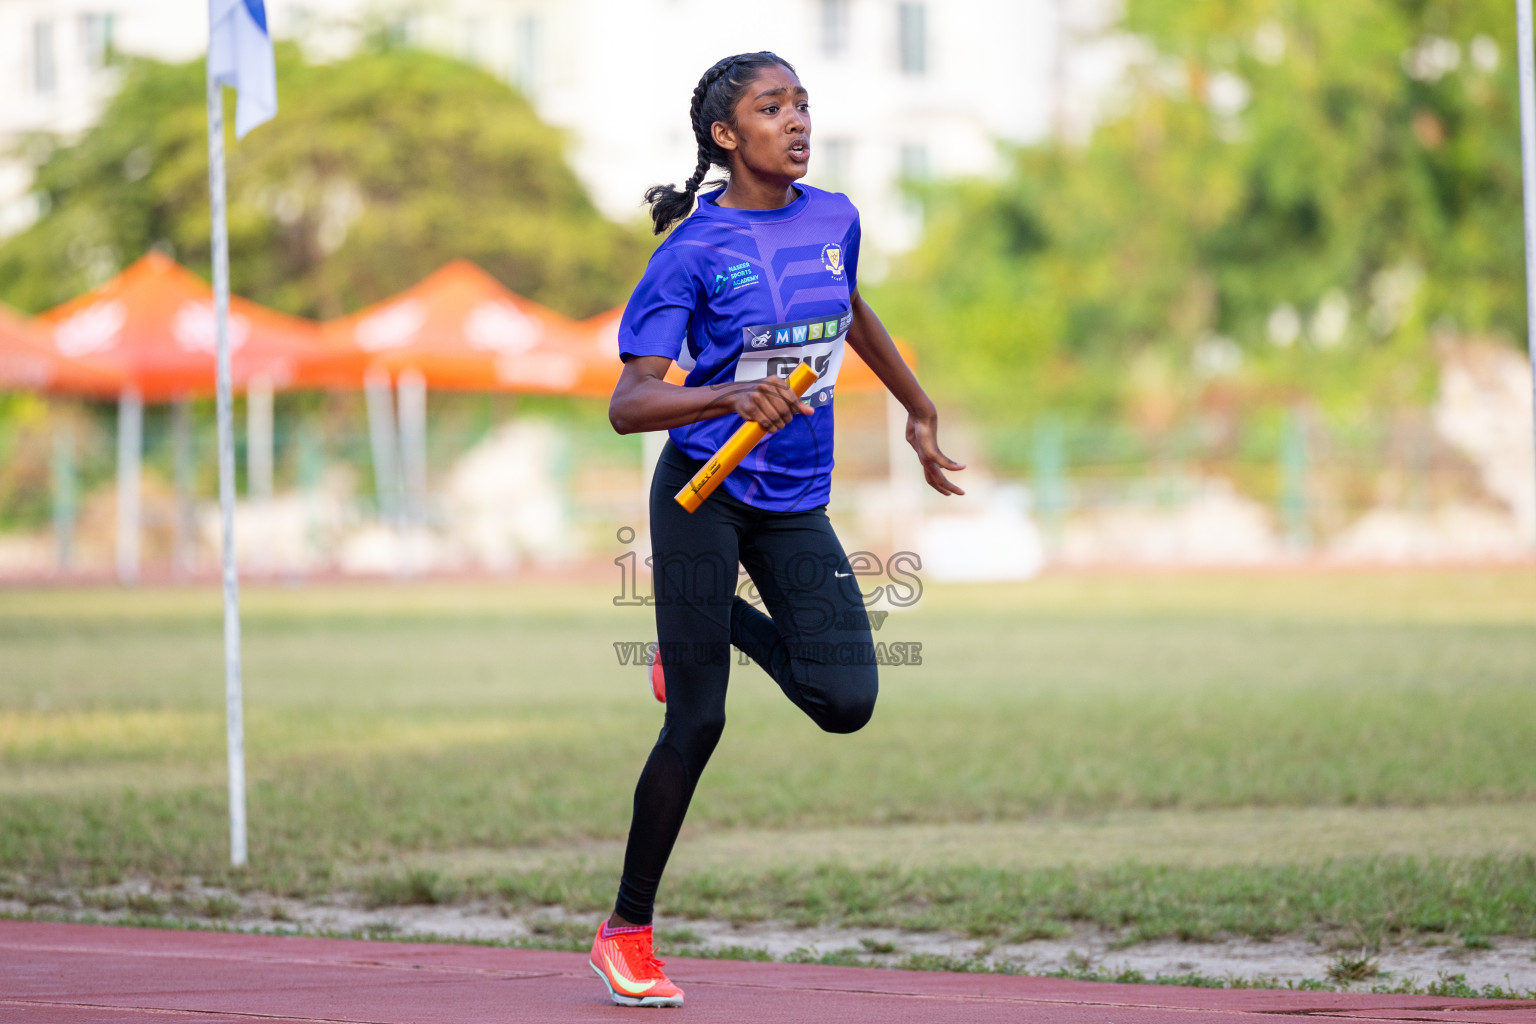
(659, 692)
(623, 1000)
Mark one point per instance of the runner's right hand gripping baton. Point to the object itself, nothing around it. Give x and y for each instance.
(736, 448)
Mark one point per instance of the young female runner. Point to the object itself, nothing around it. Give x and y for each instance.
(762, 276)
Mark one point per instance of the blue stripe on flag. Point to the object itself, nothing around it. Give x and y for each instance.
(258, 14)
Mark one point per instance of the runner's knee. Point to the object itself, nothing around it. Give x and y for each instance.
(848, 708)
(695, 737)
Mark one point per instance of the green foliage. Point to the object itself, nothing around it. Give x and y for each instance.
(1266, 169)
(25, 450)
(387, 723)
(377, 170)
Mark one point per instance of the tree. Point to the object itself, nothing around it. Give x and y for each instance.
(376, 170)
(1290, 198)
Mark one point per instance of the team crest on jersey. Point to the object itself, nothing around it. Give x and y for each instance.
(832, 259)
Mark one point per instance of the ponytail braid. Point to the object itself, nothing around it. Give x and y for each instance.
(711, 102)
(701, 131)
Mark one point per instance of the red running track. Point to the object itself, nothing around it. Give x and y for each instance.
(57, 973)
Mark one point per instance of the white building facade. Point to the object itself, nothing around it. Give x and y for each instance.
(900, 89)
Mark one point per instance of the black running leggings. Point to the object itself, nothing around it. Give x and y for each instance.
(817, 645)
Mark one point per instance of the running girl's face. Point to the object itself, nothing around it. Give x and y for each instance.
(771, 136)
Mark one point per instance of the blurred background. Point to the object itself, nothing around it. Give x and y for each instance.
(1193, 284)
(1232, 286)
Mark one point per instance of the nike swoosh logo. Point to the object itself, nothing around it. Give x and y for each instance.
(841, 575)
(633, 988)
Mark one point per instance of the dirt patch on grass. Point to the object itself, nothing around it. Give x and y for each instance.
(1509, 964)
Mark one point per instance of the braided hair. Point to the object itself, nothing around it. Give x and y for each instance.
(714, 99)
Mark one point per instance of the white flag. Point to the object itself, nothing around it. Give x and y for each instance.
(240, 54)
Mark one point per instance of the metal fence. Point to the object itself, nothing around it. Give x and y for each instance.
(1307, 477)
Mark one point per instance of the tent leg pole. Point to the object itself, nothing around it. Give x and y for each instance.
(130, 453)
(181, 450)
(65, 490)
(906, 498)
(411, 391)
(311, 472)
(651, 444)
(258, 462)
(381, 437)
(378, 396)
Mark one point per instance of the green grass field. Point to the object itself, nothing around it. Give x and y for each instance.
(1195, 756)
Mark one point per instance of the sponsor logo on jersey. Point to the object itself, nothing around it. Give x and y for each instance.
(832, 258)
(794, 333)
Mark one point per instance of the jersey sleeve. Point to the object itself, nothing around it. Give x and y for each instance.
(851, 253)
(655, 321)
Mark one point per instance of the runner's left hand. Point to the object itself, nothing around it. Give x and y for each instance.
(923, 436)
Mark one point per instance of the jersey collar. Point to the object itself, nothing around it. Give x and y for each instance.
(709, 208)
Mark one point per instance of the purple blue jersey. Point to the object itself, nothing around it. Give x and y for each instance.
(739, 295)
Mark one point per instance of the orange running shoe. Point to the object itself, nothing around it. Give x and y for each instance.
(626, 961)
(658, 681)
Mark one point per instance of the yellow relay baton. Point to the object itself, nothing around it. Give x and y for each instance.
(736, 448)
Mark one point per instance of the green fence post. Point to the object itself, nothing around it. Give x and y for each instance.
(311, 459)
(65, 496)
(1420, 440)
(183, 454)
(1293, 481)
(1049, 458)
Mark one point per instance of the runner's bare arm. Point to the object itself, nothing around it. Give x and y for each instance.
(868, 337)
(643, 400)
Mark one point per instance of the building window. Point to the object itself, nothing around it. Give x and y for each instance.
(96, 39)
(525, 53)
(912, 38)
(473, 49)
(301, 20)
(836, 158)
(44, 74)
(914, 161)
(834, 27)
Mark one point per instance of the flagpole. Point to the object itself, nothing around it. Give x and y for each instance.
(234, 711)
(1527, 59)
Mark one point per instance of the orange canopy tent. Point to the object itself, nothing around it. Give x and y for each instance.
(603, 336)
(29, 363)
(457, 329)
(857, 376)
(152, 326)
(462, 330)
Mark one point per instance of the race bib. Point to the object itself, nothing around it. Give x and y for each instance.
(773, 350)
